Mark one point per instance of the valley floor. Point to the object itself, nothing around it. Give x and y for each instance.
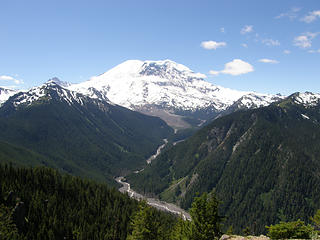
(161, 205)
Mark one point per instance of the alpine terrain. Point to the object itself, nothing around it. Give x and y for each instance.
(262, 163)
(5, 93)
(168, 90)
(53, 126)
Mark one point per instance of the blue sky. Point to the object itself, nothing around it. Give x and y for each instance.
(265, 46)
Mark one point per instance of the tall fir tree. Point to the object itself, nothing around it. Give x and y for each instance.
(144, 226)
(206, 221)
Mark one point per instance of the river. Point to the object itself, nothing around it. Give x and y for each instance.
(149, 160)
(161, 205)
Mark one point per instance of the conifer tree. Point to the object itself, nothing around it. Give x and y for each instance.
(8, 229)
(206, 220)
(182, 230)
(144, 226)
(316, 220)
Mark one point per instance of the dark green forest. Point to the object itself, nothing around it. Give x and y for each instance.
(263, 165)
(89, 138)
(41, 203)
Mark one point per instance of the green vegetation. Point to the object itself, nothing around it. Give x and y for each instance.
(263, 165)
(149, 224)
(41, 203)
(205, 224)
(316, 220)
(206, 221)
(8, 229)
(58, 207)
(93, 139)
(290, 230)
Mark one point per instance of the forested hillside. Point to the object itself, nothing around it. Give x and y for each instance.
(41, 203)
(76, 134)
(263, 165)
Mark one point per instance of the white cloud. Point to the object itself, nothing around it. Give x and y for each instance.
(10, 79)
(6, 78)
(314, 51)
(286, 52)
(271, 42)
(292, 14)
(304, 40)
(235, 67)
(214, 73)
(246, 29)
(212, 45)
(266, 60)
(222, 30)
(244, 45)
(311, 17)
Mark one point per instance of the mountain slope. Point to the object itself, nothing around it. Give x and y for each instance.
(40, 203)
(263, 164)
(165, 89)
(79, 135)
(22, 156)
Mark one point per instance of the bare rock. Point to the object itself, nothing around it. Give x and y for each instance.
(236, 237)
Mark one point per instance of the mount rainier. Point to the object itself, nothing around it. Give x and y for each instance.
(170, 91)
(166, 89)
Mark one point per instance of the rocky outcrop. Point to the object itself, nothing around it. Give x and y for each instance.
(236, 237)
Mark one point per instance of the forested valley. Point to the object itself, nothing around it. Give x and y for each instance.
(41, 203)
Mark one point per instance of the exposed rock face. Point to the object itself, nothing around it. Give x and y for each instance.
(236, 237)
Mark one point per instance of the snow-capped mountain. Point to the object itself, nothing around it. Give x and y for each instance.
(67, 130)
(166, 89)
(59, 82)
(135, 83)
(5, 93)
(51, 90)
(255, 100)
(306, 99)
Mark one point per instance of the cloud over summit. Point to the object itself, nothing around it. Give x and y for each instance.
(212, 45)
(235, 67)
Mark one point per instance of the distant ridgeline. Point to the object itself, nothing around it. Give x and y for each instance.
(52, 126)
(263, 164)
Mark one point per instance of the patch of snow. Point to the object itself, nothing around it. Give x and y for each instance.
(5, 93)
(48, 91)
(307, 99)
(305, 116)
(256, 100)
(29, 97)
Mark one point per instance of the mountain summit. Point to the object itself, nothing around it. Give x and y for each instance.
(59, 82)
(166, 89)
